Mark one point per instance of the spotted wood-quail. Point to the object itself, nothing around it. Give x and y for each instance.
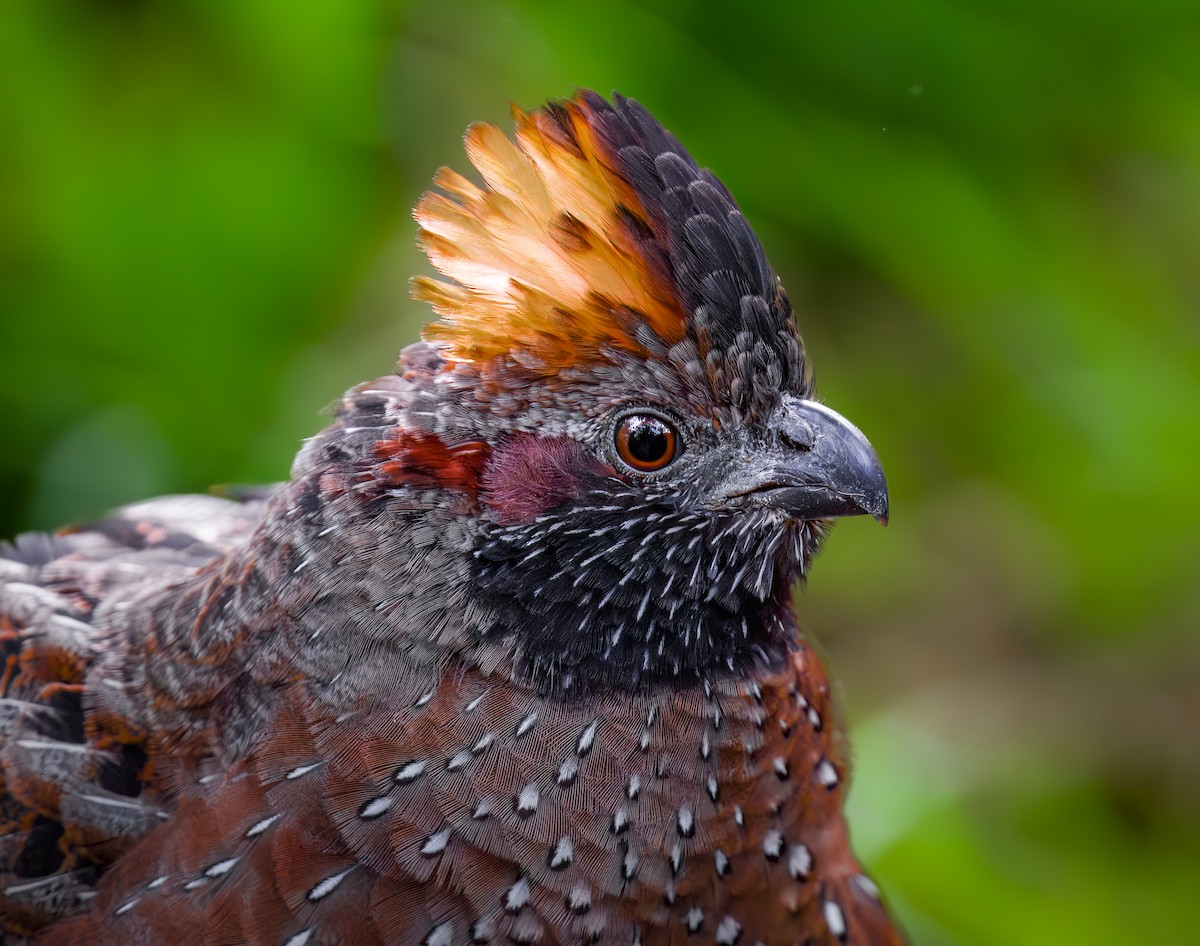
(512, 656)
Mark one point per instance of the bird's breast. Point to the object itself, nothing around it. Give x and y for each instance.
(478, 809)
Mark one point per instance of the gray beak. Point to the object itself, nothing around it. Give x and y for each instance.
(819, 466)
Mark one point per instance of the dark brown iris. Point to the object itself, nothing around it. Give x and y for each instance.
(645, 442)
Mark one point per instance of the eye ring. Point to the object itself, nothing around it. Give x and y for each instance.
(646, 442)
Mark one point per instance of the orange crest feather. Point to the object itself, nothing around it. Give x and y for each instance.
(552, 259)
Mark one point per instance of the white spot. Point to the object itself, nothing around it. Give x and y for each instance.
(646, 596)
(425, 697)
(620, 820)
(738, 816)
(834, 918)
(644, 743)
(728, 931)
(772, 844)
(517, 896)
(634, 787)
(118, 802)
(814, 718)
(301, 770)
(195, 884)
(484, 742)
(799, 862)
(458, 760)
(827, 774)
(781, 767)
(375, 807)
(482, 810)
(440, 935)
(527, 800)
(437, 842)
(300, 938)
(694, 919)
(713, 788)
(474, 704)
(587, 738)
(221, 867)
(122, 910)
(676, 859)
(156, 882)
(866, 885)
(328, 885)
(568, 771)
(526, 724)
(685, 821)
(564, 853)
(629, 864)
(17, 889)
(411, 771)
(579, 899)
(260, 826)
(722, 862)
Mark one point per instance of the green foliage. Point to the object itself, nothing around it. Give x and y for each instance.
(988, 215)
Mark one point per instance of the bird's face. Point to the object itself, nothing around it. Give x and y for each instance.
(644, 541)
(621, 365)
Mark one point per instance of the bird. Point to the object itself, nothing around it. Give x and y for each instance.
(512, 656)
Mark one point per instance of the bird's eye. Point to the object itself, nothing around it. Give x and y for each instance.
(646, 443)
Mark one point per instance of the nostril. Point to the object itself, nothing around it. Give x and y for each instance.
(799, 437)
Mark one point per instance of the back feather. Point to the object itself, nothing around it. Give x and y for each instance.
(72, 800)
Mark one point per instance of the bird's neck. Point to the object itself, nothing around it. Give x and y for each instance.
(659, 598)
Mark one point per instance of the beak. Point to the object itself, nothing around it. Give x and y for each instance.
(820, 466)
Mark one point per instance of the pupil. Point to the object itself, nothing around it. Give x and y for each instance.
(647, 442)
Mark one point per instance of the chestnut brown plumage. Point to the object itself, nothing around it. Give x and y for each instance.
(511, 657)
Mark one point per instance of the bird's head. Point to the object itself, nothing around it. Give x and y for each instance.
(617, 387)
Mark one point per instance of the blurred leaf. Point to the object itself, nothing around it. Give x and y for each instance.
(987, 214)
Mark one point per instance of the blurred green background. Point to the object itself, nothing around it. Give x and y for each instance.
(988, 215)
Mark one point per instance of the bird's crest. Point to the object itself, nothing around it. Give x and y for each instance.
(555, 256)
